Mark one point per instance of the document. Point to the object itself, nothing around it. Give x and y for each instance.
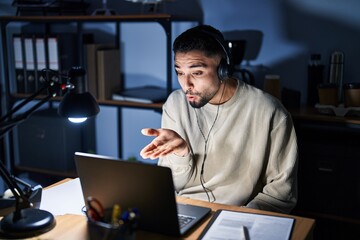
(240, 226)
(65, 198)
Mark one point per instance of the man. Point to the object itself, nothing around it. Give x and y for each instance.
(225, 141)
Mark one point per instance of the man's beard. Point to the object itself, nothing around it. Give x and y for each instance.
(203, 99)
(199, 104)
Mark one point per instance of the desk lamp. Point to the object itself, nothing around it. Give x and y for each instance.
(27, 220)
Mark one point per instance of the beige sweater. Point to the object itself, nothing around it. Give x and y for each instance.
(251, 151)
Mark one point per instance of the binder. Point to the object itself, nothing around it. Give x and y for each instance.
(109, 79)
(52, 57)
(40, 60)
(53, 53)
(30, 86)
(19, 64)
(63, 52)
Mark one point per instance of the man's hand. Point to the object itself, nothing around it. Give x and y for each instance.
(166, 141)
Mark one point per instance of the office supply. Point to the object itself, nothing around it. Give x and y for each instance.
(61, 52)
(19, 64)
(145, 94)
(65, 198)
(40, 60)
(239, 225)
(149, 188)
(95, 210)
(29, 65)
(92, 66)
(115, 214)
(53, 53)
(108, 72)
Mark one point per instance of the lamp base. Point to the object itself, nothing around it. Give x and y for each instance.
(32, 222)
(7, 205)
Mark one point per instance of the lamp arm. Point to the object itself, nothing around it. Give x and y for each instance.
(23, 103)
(13, 186)
(7, 123)
(22, 201)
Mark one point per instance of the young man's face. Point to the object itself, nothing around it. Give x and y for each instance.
(197, 75)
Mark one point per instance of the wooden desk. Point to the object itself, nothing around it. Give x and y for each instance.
(74, 226)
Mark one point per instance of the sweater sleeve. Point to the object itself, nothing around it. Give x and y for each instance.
(279, 191)
(181, 167)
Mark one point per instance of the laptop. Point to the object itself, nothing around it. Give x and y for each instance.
(147, 187)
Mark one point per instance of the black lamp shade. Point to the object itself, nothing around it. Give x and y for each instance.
(78, 105)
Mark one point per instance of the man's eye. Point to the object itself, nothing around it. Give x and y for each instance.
(197, 73)
(179, 73)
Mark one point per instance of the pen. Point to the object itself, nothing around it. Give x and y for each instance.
(115, 214)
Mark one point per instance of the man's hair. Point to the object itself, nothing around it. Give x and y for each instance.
(204, 38)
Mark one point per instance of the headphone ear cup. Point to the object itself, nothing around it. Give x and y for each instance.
(223, 70)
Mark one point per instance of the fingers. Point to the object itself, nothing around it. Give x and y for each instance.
(150, 132)
(153, 152)
(148, 151)
(166, 142)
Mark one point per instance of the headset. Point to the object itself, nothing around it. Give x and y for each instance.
(224, 70)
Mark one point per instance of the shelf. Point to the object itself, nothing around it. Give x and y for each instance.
(131, 104)
(70, 174)
(312, 114)
(155, 106)
(112, 18)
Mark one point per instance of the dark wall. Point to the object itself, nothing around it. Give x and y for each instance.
(294, 29)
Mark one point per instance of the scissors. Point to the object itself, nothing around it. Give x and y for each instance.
(95, 210)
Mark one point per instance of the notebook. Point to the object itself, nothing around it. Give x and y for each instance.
(147, 187)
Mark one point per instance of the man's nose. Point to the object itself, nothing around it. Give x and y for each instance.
(188, 82)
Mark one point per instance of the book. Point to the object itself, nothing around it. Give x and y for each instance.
(108, 72)
(144, 94)
(227, 224)
(91, 66)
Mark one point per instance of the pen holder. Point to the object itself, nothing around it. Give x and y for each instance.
(100, 230)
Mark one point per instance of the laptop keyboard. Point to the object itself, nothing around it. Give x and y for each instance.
(184, 220)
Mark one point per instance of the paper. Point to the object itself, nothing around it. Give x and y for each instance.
(239, 226)
(65, 198)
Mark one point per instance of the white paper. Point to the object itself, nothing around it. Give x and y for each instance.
(65, 198)
(238, 225)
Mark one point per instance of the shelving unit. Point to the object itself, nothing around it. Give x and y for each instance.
(328, 179)
(165, 21)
